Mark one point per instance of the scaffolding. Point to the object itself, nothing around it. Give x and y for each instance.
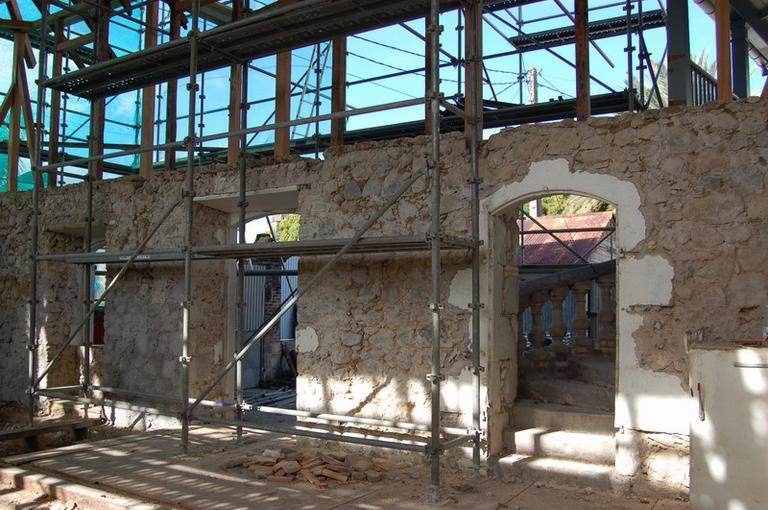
(435, 241)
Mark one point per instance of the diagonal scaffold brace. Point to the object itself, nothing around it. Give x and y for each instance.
(310, 284)
(138, 251)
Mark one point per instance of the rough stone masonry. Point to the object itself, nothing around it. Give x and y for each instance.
(690, 190)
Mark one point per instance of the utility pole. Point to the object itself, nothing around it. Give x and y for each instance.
(532, 80)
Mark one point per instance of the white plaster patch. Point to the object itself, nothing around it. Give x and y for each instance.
(645, 281)
(554, 176)
(646, 400)
(457, 394)
(460, 291)
(306, 340)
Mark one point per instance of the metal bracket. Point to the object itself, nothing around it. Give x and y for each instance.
(436, 306)
(189, 140)
(242, 204)
(186, 304)
(189, 87)
(433, 378)
(185, 360)
(473, 306)
(478, 180)
(477, 370)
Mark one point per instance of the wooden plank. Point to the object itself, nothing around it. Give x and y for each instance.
(14, 126)
(338, 89)
(146, 159)
(73, 44)
(172, 91)
(26, 109)
(186, 5)
(55, 114)
(15, 14)
(47, 428)
(723, 47)
(235, 100)
(583, 102)
(283, 98)
(7, 103)
(13, 24)
(473, 37)
(98, 106)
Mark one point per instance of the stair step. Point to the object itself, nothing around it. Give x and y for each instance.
(593, 370)
(526, 413)
(593, 447)
(569, 392)
(558, 471)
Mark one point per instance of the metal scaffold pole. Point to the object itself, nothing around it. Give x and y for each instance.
(474, 54)
(435, 376)
(189, 192)
(240, 336)
(38, 181)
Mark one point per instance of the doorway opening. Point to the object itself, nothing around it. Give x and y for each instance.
(565, 252)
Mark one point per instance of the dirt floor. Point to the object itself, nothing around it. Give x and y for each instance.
(151, 468)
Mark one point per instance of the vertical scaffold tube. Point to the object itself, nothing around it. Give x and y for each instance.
(435, 305)
(37, 162)
(475, 55)
(240, 336)
(189, 191)
(629, 50)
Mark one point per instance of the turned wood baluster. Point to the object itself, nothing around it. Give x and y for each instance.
(582, 343)
(606, 326)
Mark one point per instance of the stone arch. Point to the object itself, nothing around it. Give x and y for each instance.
(556, 177)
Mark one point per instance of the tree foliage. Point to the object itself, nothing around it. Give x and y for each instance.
(288, 228)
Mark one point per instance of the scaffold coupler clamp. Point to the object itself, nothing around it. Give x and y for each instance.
(436, 307)
(185, 360)
(189, 141)
(477, 370)
(435, 378)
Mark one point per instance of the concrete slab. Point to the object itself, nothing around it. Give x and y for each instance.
(153, 470)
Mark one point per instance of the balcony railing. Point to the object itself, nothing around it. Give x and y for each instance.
(704, 85)
(567, 314)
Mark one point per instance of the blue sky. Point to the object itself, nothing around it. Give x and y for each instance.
(386, 51)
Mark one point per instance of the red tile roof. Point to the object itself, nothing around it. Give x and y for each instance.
(544, 249)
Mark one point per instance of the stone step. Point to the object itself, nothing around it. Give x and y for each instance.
(528, 413)
(582, 446)
(599, 477)
(593, 370)
(568, 392)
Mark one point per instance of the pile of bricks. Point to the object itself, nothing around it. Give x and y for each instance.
(316, 468)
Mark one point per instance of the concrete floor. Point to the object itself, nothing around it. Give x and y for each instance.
(151, 468)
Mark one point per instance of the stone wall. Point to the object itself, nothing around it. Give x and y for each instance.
(689, 186)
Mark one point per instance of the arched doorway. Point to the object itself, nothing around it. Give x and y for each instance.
(506, 357)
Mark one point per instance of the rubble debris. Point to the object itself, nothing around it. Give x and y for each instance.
(316, 468)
